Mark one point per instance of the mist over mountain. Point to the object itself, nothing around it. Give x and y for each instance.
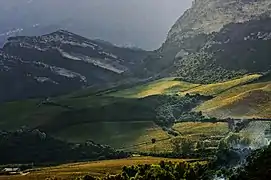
(137, 23)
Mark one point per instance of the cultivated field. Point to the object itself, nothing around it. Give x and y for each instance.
(116, 134)
(251, 101)
(162, 86)
(98, 168)
(175, 86)
(137, 136)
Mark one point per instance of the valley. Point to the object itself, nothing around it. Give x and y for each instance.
(149, 119)
(198, 107)
(116, 114)
(112, 117)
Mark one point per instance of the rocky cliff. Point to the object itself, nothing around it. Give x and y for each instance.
(217, 40)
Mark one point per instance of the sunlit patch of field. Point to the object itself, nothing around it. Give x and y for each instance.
(217, 88)
(143, 143)
(208, 129)
(175, 86)
(98, 168)
(197, 131)
(248, 101)
(162, 86)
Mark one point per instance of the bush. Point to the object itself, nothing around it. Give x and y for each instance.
(162, 171)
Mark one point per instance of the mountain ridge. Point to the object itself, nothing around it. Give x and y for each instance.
(63, 59)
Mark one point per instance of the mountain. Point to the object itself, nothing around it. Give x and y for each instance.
(61, 62)
(216, 40)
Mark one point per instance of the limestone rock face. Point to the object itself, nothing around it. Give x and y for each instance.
(216, 40)
(207, 16)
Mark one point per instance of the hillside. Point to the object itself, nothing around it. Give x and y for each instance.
(61, 62)
(171, 86)
(244, 97)
(119, 122)
(129, 119)
(159, 118)
(216, 40)
(161, 86)
(248, 101)
(205, 94)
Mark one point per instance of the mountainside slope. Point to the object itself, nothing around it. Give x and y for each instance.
(216, 40)
(21, 78)
(61, 62)
(248, 101)
(174, 85)
(138, 103)
(130, 116)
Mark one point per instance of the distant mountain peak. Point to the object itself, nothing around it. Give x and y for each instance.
(60, 62)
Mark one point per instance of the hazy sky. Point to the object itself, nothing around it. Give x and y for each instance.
(143, 23)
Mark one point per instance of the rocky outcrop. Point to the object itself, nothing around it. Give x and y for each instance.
(208, 16)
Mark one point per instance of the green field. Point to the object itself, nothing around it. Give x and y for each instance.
(137, 136)
(16, 114)
(115, 134)
(124, 119)
(20, 113)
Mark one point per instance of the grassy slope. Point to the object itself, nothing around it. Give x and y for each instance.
(162, 86)
(99, 168)
(175, 86)
(139, 133)
(241, 101)
(124, 134)
(252, 100)
(16, 114)
(217, 88)
(115, 134)
(192, 131)
(197, 128)
(200, 132)
(137, 136)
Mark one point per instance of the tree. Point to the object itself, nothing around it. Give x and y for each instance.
(176, 145)
(182, 145)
